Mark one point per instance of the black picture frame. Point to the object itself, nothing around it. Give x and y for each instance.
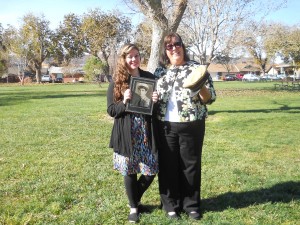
(141, 101)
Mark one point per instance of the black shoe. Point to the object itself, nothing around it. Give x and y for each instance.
(143, 209)
(133, 217)
(195, 215)
(173, 216)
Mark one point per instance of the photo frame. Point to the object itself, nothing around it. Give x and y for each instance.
(141, 101)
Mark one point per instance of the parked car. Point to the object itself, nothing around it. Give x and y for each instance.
(293, 77)
(250, 77)
(230, 77)
(270, 77)
(46, 78)
(239, 76)
(58, 80)
(281, 76)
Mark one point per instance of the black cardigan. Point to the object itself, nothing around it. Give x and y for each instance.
(120, 139)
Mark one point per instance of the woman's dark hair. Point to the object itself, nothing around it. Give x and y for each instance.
(167, 40)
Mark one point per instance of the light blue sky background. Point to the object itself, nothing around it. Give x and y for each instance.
(11, 11)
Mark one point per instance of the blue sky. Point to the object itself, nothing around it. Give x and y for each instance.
(11, 11)
(289, 15)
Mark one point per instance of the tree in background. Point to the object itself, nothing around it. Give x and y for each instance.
(20, 52)
(213, 28)
(31, 43)
(103, 33)
(37, 34)
(3, 53)
(68, 42)
(93, 68)
(227, 61)
(284, 41)
(291, 47)
(142, 38)
(266, 41)
(255, 40)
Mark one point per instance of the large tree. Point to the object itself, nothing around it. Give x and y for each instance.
(255, 38)
(68, 42)
(291, 47)
(165, 16)
(266, 41)
(284, 41)
(103, 32)
(212, 27)
(18, 50)
(31, 42)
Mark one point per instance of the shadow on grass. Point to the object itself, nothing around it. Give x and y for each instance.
(283, 192)
(20, 98)
(285, 108)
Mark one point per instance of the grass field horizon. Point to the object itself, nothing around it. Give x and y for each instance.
(56, 167)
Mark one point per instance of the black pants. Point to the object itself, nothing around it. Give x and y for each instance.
(180, 165)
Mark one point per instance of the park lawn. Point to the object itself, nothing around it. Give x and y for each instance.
(56, 167)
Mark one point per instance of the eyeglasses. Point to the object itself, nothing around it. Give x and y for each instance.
(171, 46)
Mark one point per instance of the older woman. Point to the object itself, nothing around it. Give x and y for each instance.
(181, 114)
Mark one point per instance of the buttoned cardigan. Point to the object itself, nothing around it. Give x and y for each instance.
(121, 140)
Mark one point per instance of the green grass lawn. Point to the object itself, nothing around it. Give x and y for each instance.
(56, 168)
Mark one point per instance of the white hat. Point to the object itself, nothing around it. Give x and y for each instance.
(196, 79)
(143, 85)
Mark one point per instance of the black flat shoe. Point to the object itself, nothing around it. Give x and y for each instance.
(133, 217)
(143, 209)
(195, 215)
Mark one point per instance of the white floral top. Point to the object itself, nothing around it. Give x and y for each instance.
(189, 109)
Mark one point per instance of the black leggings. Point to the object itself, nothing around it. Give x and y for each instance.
(136, 188)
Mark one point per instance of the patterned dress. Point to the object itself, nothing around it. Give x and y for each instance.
(142, 160)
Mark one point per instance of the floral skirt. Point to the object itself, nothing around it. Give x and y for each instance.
(142, 160)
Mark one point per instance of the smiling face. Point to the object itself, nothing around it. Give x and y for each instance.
(175, 52)
(133, 60)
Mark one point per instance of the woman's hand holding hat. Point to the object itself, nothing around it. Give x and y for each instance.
(196, 79)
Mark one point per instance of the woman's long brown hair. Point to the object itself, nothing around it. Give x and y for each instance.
(121, 76)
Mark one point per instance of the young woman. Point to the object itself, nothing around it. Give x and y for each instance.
(131, 137)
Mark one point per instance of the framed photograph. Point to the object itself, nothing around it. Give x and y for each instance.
(141, 101)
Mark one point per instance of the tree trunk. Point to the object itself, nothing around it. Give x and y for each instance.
(153, 10)
(157, 41)
(38, 74)
(21, 78)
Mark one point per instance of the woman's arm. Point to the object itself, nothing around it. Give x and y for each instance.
(205, 94)
(114, 109)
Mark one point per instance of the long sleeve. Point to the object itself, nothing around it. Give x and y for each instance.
(115, 110)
